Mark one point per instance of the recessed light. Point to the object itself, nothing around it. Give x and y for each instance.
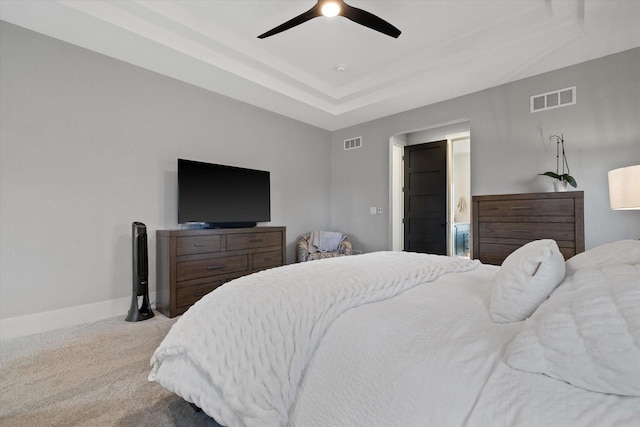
(341, 68)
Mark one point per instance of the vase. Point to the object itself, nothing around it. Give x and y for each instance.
(560, 186)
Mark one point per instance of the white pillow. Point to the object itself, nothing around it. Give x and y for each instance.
(623, 251)
(526, 278)
(587, 333)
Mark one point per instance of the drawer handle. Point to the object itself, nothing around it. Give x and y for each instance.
(256, 240)
(521, 231)
(200, 294)
(199, 245)
(521, 208)
(215, 267)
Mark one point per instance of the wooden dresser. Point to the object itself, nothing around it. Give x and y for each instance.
(192, 263)
(503, 223)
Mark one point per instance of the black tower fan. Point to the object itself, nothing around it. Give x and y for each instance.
(140, 275)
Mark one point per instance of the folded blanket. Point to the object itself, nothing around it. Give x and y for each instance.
(325, 241)
(252, 338)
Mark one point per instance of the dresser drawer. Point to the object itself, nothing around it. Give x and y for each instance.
(190, 294)
(549, 207)
(253, 240)
(503, 223)
(495, 253)
(266, 259)
(191, 263)
(198, 245)
(211, 267)
(527, 230)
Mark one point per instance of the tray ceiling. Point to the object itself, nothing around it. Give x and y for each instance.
(446, 49)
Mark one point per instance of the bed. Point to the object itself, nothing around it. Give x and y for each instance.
(405, 339)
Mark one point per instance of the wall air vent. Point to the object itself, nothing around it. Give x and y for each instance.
(555, 99)
(350, 144)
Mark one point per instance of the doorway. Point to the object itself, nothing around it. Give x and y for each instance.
(460, 209)
(458, 166)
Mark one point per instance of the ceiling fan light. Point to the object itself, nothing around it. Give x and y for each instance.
(330, 9)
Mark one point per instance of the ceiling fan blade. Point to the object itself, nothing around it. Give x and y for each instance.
(304, 17)
(370, 20)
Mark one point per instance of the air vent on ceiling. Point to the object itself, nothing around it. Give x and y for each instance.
(350, 144)
(555, 99)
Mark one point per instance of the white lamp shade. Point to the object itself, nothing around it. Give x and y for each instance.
(624, 188)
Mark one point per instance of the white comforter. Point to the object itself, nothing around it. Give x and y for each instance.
(433, 357)
(428, 356)
(248, 343)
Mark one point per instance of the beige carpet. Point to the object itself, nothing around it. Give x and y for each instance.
(93, 375)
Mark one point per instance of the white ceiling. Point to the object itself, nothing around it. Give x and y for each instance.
(447, 48)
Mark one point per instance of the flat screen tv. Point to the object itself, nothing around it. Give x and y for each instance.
(222, 196)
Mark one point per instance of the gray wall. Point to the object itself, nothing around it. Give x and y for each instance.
(437, 133)
(509, 146)
(89, 144)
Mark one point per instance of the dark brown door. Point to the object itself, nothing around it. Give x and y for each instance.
(425, 198)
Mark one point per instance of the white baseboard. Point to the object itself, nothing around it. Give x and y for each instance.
(14, 327)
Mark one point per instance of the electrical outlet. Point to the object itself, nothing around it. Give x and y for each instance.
(379, 211)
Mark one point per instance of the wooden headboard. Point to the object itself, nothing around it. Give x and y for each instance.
(502, 223)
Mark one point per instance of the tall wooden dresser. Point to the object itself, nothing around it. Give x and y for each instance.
(192, 263)
(503, 223)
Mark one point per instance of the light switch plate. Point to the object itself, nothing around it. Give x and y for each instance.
(372, 210)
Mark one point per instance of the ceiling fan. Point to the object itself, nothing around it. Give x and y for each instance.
(332, 8)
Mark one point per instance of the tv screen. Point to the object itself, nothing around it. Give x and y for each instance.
(222, 195)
